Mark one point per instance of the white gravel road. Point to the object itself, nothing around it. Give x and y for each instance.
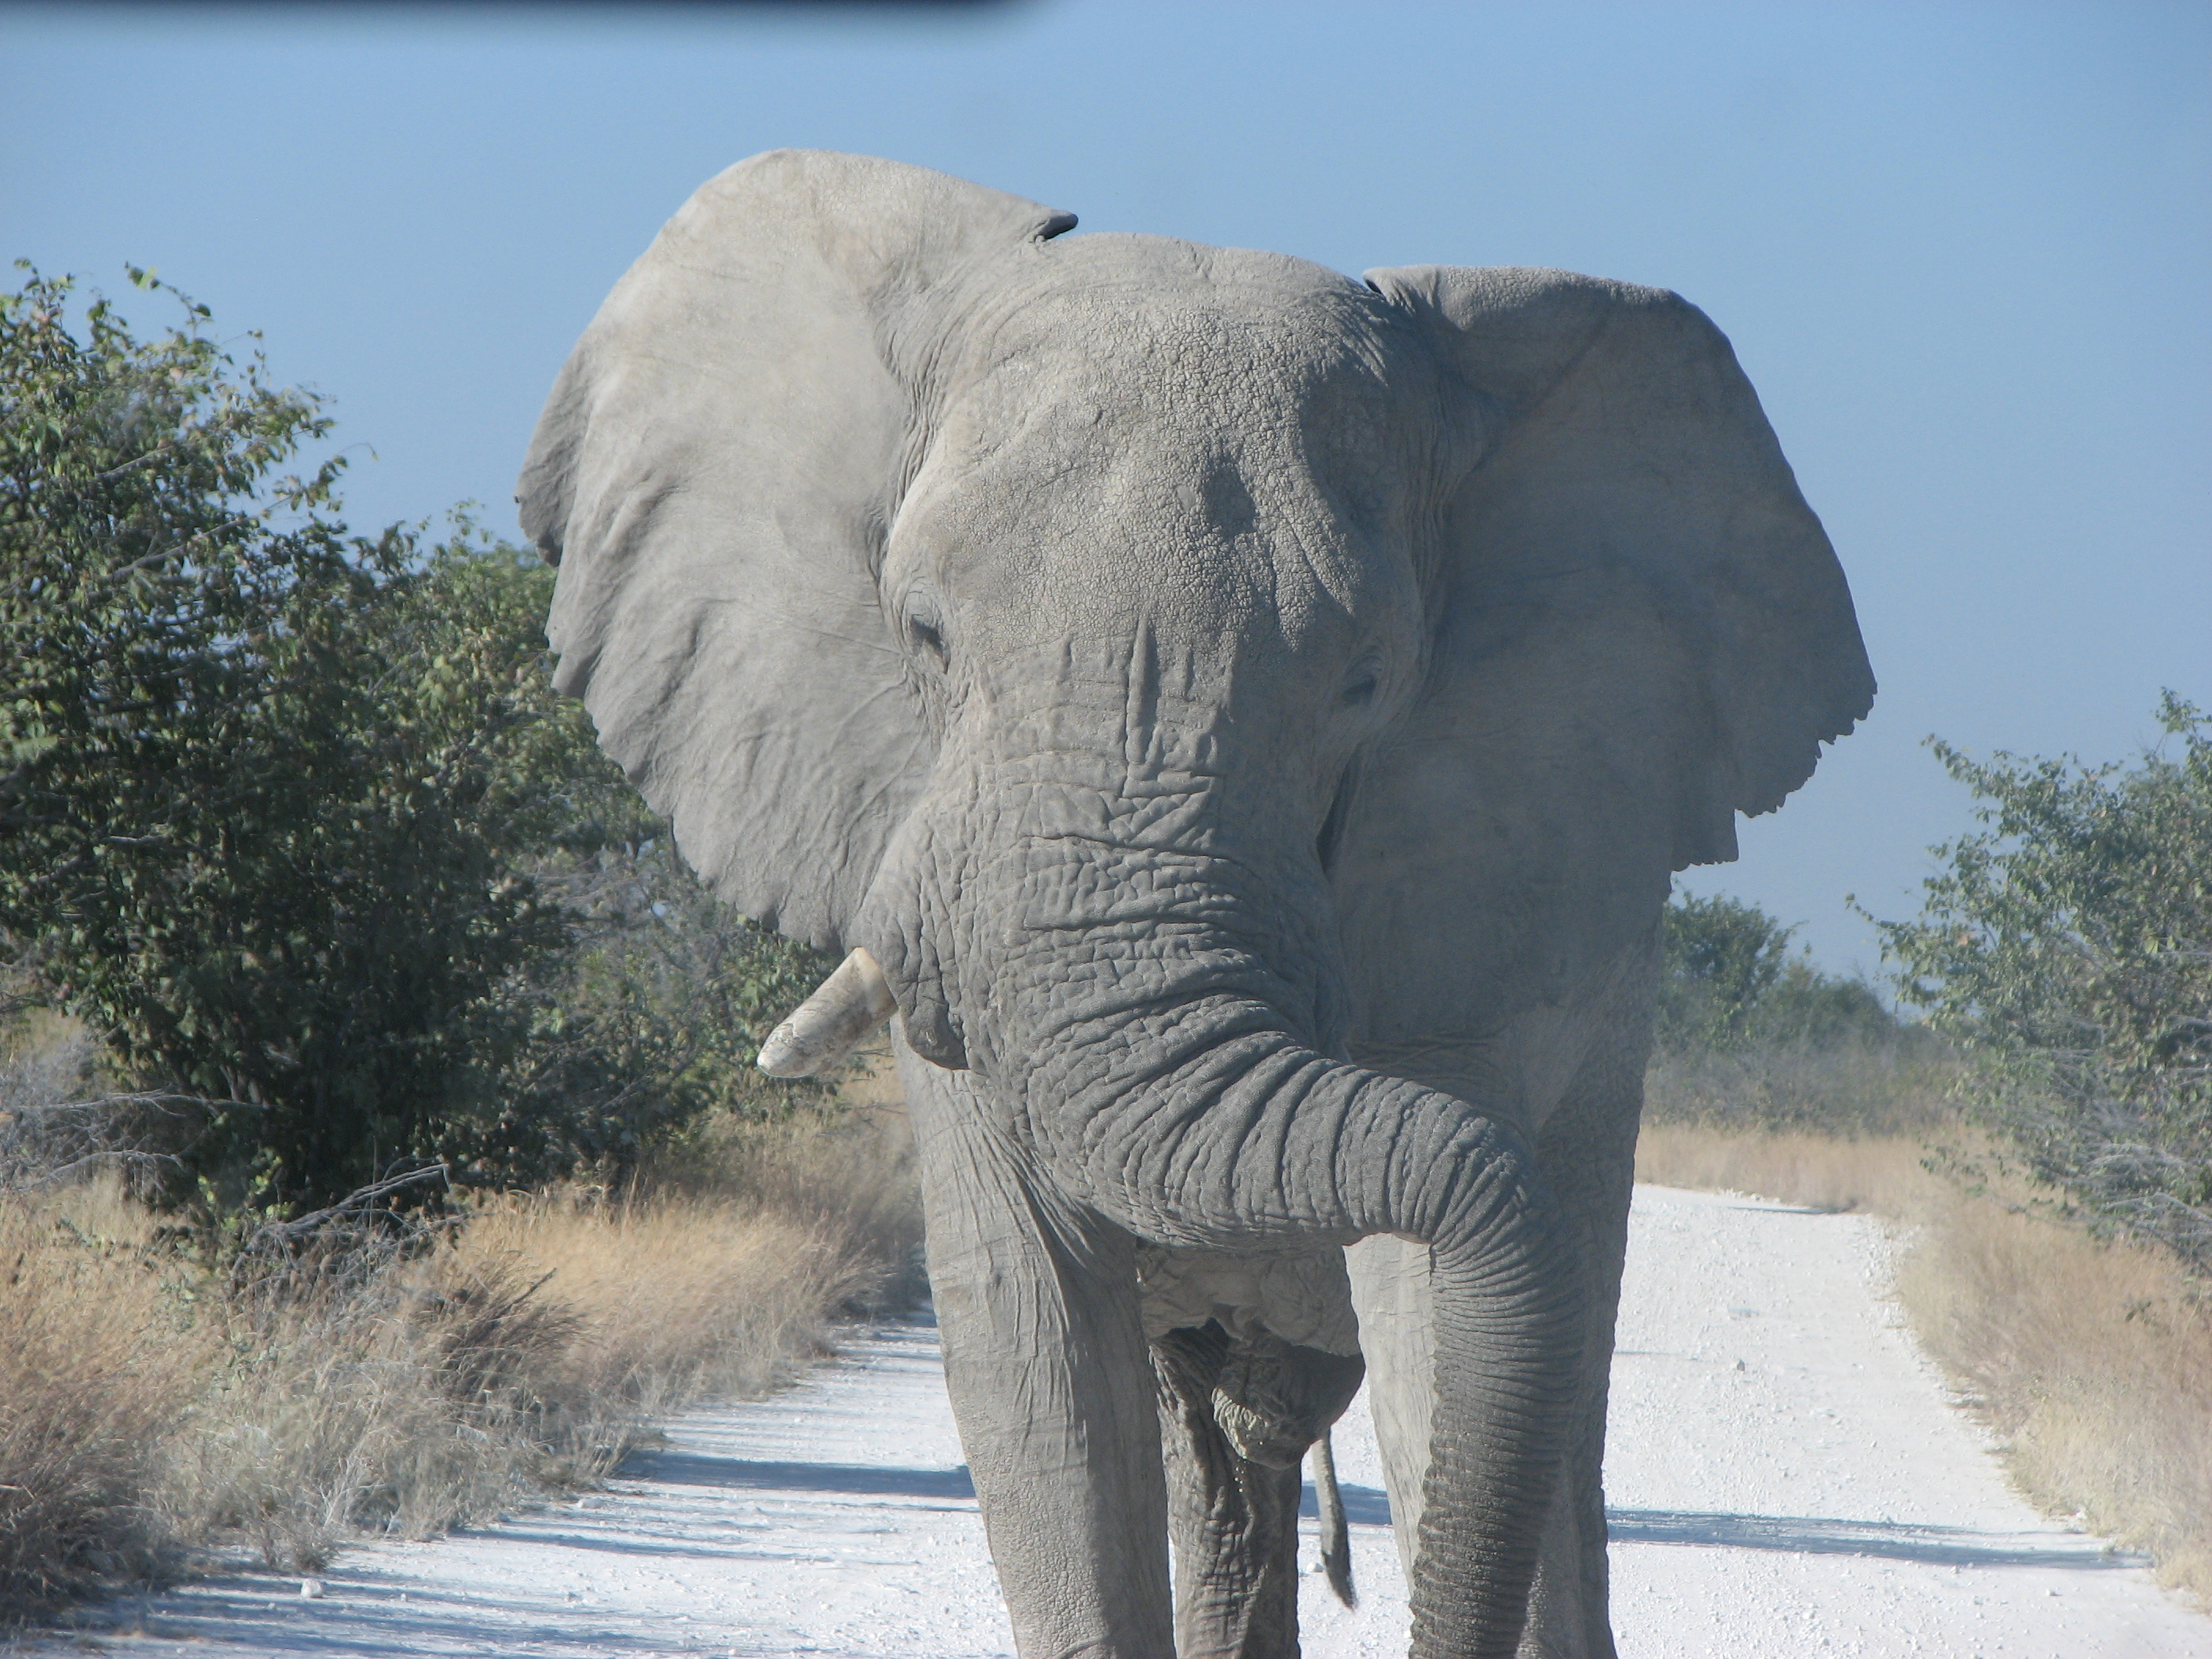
(1786, 1477)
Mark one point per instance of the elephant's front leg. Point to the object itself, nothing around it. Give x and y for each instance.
(1045, 1360)
(1588, 1151)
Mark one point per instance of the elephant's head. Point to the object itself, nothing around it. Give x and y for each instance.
(1184, 669)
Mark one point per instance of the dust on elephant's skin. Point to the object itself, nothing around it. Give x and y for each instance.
(1251, 717)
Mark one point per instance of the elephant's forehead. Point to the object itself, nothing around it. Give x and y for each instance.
(1166, 401)
(1176, 336)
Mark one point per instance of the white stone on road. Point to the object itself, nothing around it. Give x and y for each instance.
(1786, 1476)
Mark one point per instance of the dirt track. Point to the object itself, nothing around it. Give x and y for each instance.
(1786, 1477)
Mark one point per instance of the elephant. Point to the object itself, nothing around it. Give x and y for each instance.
(1240, 725)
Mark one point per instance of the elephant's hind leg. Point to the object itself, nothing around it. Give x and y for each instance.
(1233, 1522)
(1237, 1415)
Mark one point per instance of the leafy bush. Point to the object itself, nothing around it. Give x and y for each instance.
(1718, 959)
(1728, 981)
(291, 817)
(1751, 1036)
(2069, 947)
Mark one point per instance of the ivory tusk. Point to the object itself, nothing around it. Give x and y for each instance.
(826, 1027)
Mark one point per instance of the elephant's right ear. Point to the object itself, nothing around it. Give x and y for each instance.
(714, 474)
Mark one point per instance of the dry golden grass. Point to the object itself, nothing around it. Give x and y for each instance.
(1878, 1173)
(96, 1362)
(149, 1410)
(718, 1278)
(2093, 1361)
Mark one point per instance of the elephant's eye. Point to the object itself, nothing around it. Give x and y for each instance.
(1360, 688)
(927, 637)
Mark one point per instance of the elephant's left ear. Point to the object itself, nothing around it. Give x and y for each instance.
(1637, 629)
(1629, 534)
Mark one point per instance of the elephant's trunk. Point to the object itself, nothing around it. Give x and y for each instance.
(1113, 912)
(1168, 1087)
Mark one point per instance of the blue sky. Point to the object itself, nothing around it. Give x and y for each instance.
(1964, 251)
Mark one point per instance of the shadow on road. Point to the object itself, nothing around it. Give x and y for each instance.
(1950, 1546)
(1816, 1535)
(859, 1480)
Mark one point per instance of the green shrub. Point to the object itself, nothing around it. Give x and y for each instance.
(2068, 945)
(292, 819)
(1728, 981)
(1753, 1037)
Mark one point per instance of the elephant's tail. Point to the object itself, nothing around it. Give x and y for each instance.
(1335, 1536)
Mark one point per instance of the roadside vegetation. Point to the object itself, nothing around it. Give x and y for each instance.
(380, 1142)
(2043, 1131)
(387, 1378)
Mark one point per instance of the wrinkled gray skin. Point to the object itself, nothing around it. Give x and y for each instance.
(1252, 716)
